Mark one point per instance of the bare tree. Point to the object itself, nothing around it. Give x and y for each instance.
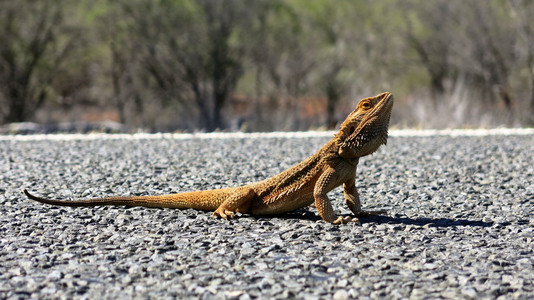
(464, 43)
(28, 31)
(283, 58)
(193, 51)
(337, 57)
(521, 11)
(21, 50)
(113, 29)
(428, 35)
(491, 43)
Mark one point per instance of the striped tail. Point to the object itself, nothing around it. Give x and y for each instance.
(201, 200)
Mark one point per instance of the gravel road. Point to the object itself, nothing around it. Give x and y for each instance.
(460, 222)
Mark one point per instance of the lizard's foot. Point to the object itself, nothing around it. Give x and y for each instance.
(344, 220)
(370, 213)
(224, 213)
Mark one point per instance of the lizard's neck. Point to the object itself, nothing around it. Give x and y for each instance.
(331, 151)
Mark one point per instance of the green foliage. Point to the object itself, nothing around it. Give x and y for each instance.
(179, 64)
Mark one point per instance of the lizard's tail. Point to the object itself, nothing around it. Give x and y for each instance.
(202, 200)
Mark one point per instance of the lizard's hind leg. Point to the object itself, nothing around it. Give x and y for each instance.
(239, 201)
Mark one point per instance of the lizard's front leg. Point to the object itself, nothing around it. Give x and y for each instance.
(239, 201)
(326, 182)
(352, 198)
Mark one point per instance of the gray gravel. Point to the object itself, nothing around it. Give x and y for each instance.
(460, 222)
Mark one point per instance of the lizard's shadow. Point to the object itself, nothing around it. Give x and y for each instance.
(439, 222)
(302, 214)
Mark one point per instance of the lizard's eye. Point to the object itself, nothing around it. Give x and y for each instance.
(366, 105)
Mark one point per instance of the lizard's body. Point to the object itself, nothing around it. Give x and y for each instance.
(364, 130)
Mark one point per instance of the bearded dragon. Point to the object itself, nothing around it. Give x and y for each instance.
(362, 132)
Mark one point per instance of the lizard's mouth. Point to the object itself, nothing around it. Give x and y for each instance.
(386, 103)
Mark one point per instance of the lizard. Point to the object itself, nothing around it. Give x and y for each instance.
(334, 164)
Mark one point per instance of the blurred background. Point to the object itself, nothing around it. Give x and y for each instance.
(263, 65)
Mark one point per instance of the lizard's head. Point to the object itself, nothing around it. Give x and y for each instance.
(366, 128)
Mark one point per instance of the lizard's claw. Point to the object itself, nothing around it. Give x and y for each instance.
(344, 220)
(370, 213)
(224, 213)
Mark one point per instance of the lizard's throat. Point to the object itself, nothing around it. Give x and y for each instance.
(373, 134)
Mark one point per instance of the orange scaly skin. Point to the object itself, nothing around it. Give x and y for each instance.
(364, 130)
